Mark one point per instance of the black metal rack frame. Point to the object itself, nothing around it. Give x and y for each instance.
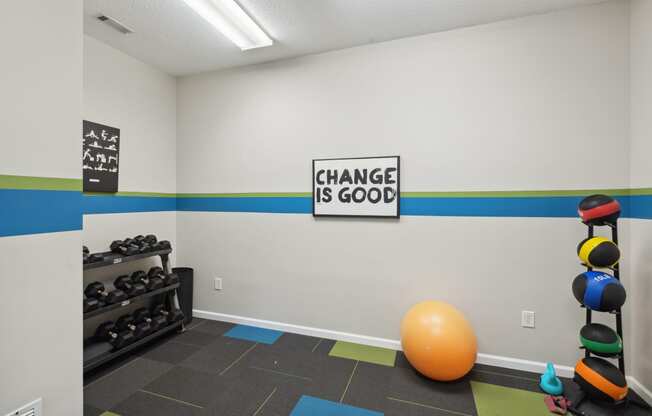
(619, 316)
(111, 258)
(98, 353)
(619, 324)
(101, 353)
(114, 306)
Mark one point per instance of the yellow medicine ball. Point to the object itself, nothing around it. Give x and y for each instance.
(598, 252)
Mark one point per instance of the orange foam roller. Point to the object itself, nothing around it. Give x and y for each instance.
(438, 341)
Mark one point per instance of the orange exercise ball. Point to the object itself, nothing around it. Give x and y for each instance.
(438, 341)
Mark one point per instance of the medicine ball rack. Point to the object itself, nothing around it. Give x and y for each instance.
(619, 324)
(619, 316)
(98, 353)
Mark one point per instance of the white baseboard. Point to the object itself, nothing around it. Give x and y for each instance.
(640, 389)
(487, 359)
(523, 365)
(303, 330)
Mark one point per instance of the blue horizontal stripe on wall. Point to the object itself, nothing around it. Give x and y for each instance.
(640, 207)
(637, 206)
(275, 205)
(555, 207)
(564, 207)
(115, 204)
(35, 211)
(43, 211)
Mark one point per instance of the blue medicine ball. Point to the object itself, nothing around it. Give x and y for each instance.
(599, 291)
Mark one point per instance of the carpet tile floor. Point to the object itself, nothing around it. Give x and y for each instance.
(221, 369)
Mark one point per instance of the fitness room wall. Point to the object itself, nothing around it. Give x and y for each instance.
(490, 125)
(641, 177)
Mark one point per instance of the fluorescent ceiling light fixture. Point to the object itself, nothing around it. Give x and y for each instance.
(229, 18)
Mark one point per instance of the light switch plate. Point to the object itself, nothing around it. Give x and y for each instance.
(527, 319)
(33, 409)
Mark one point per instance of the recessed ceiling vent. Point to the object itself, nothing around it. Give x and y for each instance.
(115, 24)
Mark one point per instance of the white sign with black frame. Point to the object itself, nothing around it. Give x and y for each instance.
(356, 187)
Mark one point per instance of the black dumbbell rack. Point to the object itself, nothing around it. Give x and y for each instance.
(111, 258)
(98, 353)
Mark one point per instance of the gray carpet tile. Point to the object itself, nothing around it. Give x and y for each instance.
(213, 327)
(202, 373)
(145, 404)
(219, 356)
(188, 385)
(171, 352)
(106, 392)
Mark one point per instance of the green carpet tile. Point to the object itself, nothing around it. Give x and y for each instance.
(492, 400)
(365, 353)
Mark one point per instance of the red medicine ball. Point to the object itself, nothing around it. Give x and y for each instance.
(599, 210)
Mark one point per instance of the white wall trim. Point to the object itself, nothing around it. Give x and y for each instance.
(298, 329)
(487, 359)
(640, 389)
(522, 365)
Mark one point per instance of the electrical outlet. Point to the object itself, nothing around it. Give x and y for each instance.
(218, 283)
(527, 319)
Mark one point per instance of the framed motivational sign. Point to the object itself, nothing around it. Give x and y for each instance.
(356, 187)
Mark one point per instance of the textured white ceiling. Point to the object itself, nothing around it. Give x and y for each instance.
(171, 37)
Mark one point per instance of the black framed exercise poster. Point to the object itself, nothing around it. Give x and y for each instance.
(357, 187)
(101, 152)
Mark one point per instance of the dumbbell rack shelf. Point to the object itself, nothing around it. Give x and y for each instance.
(96, 352)
(129, 301)
(99, 353)
(112, 258)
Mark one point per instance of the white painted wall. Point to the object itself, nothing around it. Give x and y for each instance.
(641, 93)
(140, 100)
(40, 283)
(41, 346)
(101, 229)
(501, 100)
(512, 105)
(641, 176)
(37, 105)
(639, 294)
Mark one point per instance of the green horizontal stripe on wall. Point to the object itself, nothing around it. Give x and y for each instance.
(67, 184)
(134, 194)
(250, 195)
(640, 191)
(518, 194)
(39, 183)
(463, 194)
